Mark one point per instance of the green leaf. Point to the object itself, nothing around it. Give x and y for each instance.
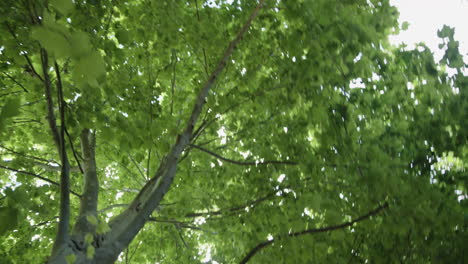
(88, 238)
(53, 41)
(92, 219)
(405, 25)
(102, 227)
(11, 108)
(63, 6)
(80, 44)
(123, 36)
(446, 32)
(90, 251)
(8, 219)
(70, 258)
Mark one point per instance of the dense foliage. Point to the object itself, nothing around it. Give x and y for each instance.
(315, 141)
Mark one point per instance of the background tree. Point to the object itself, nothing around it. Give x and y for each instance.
(190, 131)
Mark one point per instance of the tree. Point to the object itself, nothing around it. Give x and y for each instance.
(240, 131)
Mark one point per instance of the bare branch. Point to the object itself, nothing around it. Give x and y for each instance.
(6, 94)
(207, 123)
(15, 81)
(88, 205)
(173, 81)
(12, 151)
(62, 233)
(138, 168)
(75, 154)
(176, 223)
(245, 163)
(266, 243)
(251, 204)
(24, 54)
(234, 209)
(37, 176)
(46, 166)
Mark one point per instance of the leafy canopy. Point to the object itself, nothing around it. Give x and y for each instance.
(318, 142)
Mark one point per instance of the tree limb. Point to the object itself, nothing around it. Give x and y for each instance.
(15, 81)
(126, 225)
(176, 223)
(235, 208)
(24, 54)
(88, 204)
(266, 243)
(245, 163)
(64, 215)
(37, 176)
(12, 151)
(75, 155)
(48, 167)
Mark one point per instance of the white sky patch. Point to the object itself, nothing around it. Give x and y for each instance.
(222, 135)
(119, 195)
(281, 178)
(200, 220)
(245, 154)
(40, 182)
(357, 83)
(205, 251)
(425, 17)
(161, 97)
(358, 57)
(123, 113)
(308, 212)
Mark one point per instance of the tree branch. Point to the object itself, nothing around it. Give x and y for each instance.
(12, 151)
(264, 244)
(64, 215)
(15, 81)
(88, 204)
(206, 123)
(24, 54)
(251, 204)
(37, 176)
(48, 167)
(173, 81)
(244, 163)
(75, 155)
(126, 225)
(176, 223)
(235, 208)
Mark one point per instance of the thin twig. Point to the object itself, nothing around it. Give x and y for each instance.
(235, 208)
(75, 154)
(244, 163)
(14, 92)
(138, 168)
(15, 81)
(27, 156)
(266, 243)
(37, 176)
(178, 224)
(173, 81)
(24, 54)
